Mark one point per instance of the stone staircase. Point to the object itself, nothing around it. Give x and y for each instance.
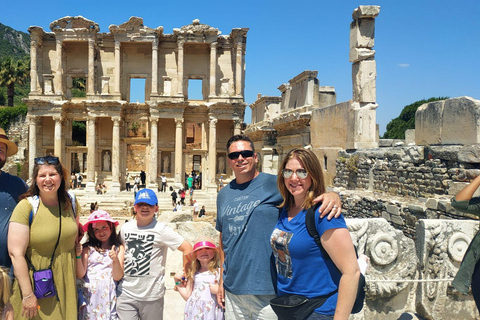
(121, 203)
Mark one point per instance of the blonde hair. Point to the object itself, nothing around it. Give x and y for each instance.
(310, 162)
(5, 288)
(213, 265)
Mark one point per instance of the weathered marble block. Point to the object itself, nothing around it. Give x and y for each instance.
(392, 257)
(441, 245)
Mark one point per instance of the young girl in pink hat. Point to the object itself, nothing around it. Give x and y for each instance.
(100, 264)
(200, 286)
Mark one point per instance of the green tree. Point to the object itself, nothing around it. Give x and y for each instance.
(13, 72)
(406, 120)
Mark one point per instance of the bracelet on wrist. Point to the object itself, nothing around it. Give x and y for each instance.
(177, 283)
(78, 257)
(27, 297)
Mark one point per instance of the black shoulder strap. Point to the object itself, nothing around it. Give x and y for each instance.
(312, 230)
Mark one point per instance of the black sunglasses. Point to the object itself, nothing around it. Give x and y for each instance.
(244, 154)
(47, 159)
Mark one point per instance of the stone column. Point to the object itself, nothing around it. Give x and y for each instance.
(363, 110)
(237, 127)
(179, 175)
(91, 154)
(57, 143)
(59, 69)
(152, 179)
(212, 152)
(239, 69)
(180, 68)
(116, 176)
(117, 68)
(33, 67)
(91, 67)
(213, 69)
(32, 143)
(154, 67)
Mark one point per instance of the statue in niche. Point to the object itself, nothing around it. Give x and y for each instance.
(221, 165)
(106, 161)
(166, 164)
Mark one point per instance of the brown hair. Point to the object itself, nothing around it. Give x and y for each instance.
(62, 193)
(240, 137)
(97, 244)
(310, 162)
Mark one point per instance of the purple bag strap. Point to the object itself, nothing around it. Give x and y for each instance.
(29, 262)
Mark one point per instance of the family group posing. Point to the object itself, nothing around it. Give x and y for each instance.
(264, 249)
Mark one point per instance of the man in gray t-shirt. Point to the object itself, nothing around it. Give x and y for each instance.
(246, 215)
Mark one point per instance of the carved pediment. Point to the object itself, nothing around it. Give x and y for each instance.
(73, 23)
(134, 25)
(197, 28)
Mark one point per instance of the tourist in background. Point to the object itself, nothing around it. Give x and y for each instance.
(143, 177)
(164, 183)
(140, 294)
(247, 213)
(300, 178)
(11, 187)
(46, 238)
(469, 272)
(174, 197)
(202, 212)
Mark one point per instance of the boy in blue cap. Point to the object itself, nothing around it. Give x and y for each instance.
(140, 295)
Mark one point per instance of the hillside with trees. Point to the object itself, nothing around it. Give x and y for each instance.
(406, 120)
(13, 43)
(14, 73)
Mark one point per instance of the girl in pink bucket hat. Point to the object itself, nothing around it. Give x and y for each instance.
(200, 286)
(100, 264)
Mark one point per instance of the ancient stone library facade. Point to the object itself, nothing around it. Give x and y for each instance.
(170, 133)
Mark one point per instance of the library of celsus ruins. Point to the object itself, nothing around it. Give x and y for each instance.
(80, 76)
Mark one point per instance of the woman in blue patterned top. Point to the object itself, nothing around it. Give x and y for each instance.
(301, 266)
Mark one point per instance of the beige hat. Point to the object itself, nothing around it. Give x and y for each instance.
(11, 146)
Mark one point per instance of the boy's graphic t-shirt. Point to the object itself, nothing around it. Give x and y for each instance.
(145, 257)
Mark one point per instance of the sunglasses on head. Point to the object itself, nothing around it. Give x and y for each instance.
(301, 173)
(244, 154)
(47, 159)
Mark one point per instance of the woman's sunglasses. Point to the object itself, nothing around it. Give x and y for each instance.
(301, 173)
(244, 154)
(47, 159)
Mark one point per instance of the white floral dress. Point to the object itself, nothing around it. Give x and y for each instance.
(99, 287)
(202, 304)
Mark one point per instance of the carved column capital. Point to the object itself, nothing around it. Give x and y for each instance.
(32, 119)
(91, 119)
(213, 122)
(180, 43)
(178, 122)
(57, 118)
(116, 120)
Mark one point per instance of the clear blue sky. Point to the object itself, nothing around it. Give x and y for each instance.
(424, 48)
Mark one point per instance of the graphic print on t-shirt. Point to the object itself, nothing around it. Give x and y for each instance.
(280, 241)
(238, 211)
(139, 250)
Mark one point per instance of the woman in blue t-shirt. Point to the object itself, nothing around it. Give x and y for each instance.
(301, 266)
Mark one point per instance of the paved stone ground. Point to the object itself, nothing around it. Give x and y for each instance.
(174, 305)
